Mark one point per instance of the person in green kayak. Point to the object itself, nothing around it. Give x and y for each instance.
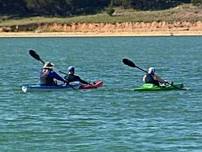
(71, 77)
(48, 76)
(152, 77)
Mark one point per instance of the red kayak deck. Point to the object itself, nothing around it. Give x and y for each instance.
(94, 85)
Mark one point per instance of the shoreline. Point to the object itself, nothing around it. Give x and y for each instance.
(99, 34)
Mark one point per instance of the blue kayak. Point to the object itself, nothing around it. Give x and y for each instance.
(72, 85)
(38, 87)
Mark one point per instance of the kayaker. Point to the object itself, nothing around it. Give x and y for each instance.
(71, 77)
(48, 76)
(151, 77)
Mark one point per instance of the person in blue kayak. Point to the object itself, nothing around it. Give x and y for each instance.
(71, 77)
(48, 76)
(152, 77)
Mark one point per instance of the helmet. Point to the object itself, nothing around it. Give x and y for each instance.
(151, 70)
(48, 65)
(71, 69)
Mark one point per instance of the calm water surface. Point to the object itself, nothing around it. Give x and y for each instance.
(113, 118)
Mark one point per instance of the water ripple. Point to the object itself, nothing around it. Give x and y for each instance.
(113, 118)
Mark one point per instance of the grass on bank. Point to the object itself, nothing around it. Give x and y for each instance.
(185, 12)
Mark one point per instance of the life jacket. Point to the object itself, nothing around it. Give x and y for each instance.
(72, 78)
(149, 79)
(45, 79)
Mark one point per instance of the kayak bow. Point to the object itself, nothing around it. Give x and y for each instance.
(94, 85)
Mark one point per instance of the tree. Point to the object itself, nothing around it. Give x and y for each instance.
(197, 2)
(123, 3)
(8, 7)
(74, 7)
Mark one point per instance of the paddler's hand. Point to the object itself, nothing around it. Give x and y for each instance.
(66, 77)
(166, 82)
(89, 83)
(66, 82)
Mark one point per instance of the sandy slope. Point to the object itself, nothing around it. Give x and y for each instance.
(104, 29)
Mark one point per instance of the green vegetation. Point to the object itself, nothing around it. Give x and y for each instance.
(181, 13)
(196, 2)
(110, 11)
(35, 12)
(80, 7)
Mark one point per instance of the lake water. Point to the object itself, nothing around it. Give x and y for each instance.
(110, 119)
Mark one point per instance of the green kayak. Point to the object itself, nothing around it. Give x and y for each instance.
(152, 87)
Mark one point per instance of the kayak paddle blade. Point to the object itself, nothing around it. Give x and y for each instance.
(129, 63)
(35, 56)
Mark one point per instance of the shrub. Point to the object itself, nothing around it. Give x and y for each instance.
(197, 2)
(110, 11)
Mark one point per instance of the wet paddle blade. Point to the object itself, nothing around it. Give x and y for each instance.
(35, 55)
(129, 63)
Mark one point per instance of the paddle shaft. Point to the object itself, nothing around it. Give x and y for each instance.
(63, 72)
(42, 62)
(141, 69)
(67, 75)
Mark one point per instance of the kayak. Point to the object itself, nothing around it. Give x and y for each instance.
(73, 85)
(152, 87)
(94, 85)
(38, 87)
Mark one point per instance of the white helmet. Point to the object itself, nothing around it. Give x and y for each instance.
(71, 69)
(151, 70)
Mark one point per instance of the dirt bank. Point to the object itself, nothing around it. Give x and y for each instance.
(156, 28)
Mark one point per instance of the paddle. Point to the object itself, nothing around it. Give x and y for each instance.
(132, 64)
(67, 75)
(36, 56)
(63, 72)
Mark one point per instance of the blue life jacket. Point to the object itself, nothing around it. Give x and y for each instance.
(48, 78)
(45, 79)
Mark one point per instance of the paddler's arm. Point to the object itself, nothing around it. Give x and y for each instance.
(56, 76)
(82, 81)
(143, 79)
(159, 79)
